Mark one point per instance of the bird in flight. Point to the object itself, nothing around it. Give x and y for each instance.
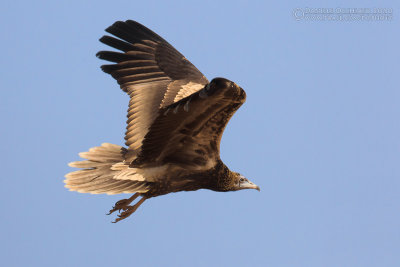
(176, 119)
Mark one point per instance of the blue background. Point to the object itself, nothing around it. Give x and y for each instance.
(319, 134)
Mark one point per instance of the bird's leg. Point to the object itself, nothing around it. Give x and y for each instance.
(123, 203)
(129, 210)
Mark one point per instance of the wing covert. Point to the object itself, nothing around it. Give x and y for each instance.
(189, 131)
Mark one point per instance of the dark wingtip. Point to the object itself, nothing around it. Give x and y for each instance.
(105, 69)
(112, 56)
(116, 43)
(132, 22)
(103, 39)
(113, 26)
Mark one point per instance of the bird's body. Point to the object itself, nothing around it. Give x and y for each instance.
(175, 123)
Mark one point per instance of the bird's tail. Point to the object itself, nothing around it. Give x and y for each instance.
(98, 171)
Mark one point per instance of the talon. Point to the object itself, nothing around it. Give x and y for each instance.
(128, 210)
(112, 210)
(123, 204)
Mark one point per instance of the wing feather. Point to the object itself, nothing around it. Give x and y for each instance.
(151, 71)
(189, 131)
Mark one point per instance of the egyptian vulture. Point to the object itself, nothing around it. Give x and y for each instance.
(176, 119)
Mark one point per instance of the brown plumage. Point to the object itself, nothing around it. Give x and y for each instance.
(176, 119)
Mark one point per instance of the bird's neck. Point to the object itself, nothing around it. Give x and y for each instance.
(221, 178)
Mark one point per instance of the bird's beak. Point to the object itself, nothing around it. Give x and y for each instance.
(253, 186)
(249, 185)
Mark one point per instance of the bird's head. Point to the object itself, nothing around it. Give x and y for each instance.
(241, 182)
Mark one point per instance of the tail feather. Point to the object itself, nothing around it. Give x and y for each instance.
(87, 164)
(139, 186)
(97, 174)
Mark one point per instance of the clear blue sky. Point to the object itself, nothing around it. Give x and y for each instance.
(319, 133)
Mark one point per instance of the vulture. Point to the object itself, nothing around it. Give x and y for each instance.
(176, 119)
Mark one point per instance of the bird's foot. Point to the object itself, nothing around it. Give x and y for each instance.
(128, 210)
(123, 204)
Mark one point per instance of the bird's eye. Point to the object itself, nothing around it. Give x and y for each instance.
(241, 180)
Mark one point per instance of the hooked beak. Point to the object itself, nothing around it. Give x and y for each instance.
(249, 185)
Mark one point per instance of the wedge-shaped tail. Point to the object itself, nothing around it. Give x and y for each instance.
(97, 174)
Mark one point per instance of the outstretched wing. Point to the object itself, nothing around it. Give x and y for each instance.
(151, 71)
(188, 133)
